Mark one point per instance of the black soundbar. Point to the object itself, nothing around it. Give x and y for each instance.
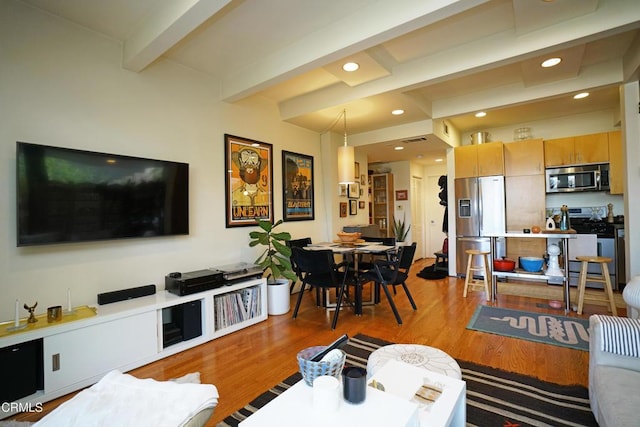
(125, 294)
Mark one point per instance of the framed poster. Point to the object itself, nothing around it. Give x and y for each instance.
(353, 207)
(353, 190)
(343, 209)
(297, 182)
(248, 181)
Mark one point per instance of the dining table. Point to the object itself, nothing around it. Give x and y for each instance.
(353, 250)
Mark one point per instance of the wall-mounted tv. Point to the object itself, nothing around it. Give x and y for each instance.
(66, 195)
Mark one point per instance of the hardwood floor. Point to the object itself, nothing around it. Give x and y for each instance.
(246, 363)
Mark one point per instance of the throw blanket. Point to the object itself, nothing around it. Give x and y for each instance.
(122, 400)
(620, 335)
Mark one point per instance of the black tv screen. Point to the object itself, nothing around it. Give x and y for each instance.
(66, 195)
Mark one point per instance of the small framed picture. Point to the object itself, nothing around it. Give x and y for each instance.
(363, 180)
(402, 195)
(353, 207)
(353, 190)
(343, 209)
(361, 204)
(342, 190)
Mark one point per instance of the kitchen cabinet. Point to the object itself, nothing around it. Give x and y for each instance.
(479, 160)
(382, 202)
(574, 150)
(616, 164)
(524, 158)
(525, 207)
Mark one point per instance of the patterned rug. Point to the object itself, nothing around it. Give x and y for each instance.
(494, 397)
(546, 328)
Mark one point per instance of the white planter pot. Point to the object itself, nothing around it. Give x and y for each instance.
(278, 297)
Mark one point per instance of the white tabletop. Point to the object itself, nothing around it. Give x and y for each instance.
(294, 408)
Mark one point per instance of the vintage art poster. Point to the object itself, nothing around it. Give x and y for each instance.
(249, 183)
(297, 182)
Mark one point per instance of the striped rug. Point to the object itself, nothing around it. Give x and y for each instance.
(494, 397)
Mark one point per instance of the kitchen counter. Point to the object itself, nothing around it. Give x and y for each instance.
(564, 238)
(571, 234)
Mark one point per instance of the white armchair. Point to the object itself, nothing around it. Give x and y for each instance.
(614, 370)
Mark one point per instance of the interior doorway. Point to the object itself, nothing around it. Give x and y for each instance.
(417, 213)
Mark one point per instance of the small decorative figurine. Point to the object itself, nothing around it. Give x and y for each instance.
(31, 310)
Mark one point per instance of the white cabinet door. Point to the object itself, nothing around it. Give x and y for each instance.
(82, 354)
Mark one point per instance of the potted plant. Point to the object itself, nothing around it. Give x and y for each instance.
(275, 259)
(400, 229)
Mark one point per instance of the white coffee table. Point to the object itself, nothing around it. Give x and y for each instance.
(403, 380)
(294, 408)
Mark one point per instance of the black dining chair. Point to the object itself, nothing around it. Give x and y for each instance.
(393, 272)
(296, 243)
(318, 269)
(365, 261)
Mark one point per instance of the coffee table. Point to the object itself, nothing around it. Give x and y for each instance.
(294, 408)
(403, 380)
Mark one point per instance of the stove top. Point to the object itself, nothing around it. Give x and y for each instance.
(590, 226)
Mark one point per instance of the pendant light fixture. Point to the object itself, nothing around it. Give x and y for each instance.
(346, 158)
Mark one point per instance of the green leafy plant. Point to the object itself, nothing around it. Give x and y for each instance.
(276, 256)
(400, 229)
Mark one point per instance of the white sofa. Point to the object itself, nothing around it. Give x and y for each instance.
(614, 370)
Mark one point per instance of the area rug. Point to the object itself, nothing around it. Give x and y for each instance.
(494, 397)
(539, 327)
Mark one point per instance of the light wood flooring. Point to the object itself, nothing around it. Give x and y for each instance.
(248, 362)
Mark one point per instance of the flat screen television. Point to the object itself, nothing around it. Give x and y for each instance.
(66, 195)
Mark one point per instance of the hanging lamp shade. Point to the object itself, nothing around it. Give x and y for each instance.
(346, 158)
(346, 164)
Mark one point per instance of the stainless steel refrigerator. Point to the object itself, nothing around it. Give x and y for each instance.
(480, 212)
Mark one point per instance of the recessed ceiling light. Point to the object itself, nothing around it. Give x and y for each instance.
(481, 114)
(398, 148)
(350, 66)
(581, 95)
(397, 112)
(438, 160)
(551, 62)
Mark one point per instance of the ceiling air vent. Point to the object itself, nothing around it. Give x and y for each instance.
(419, 139)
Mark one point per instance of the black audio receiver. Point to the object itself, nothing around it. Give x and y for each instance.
(193, 282)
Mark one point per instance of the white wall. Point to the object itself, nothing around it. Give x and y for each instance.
(64, 86)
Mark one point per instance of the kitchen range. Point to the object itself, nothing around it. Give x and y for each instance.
(596, 236)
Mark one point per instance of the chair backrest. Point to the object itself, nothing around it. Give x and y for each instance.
(387, 241)
(313, 262)
(299, 242)
(406, 257)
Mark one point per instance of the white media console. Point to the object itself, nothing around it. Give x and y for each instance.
(129, 334)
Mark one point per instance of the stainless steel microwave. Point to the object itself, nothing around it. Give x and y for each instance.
(578, 178)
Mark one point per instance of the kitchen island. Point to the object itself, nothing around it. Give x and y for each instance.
(564, 237)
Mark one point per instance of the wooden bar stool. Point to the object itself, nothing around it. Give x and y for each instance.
(604, 278)
(469, 280)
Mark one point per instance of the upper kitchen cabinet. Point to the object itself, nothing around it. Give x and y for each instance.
(524, 157)
(616, 166)
(479, 160)
(575, 150)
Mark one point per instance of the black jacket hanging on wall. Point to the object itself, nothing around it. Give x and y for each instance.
(442, 182)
